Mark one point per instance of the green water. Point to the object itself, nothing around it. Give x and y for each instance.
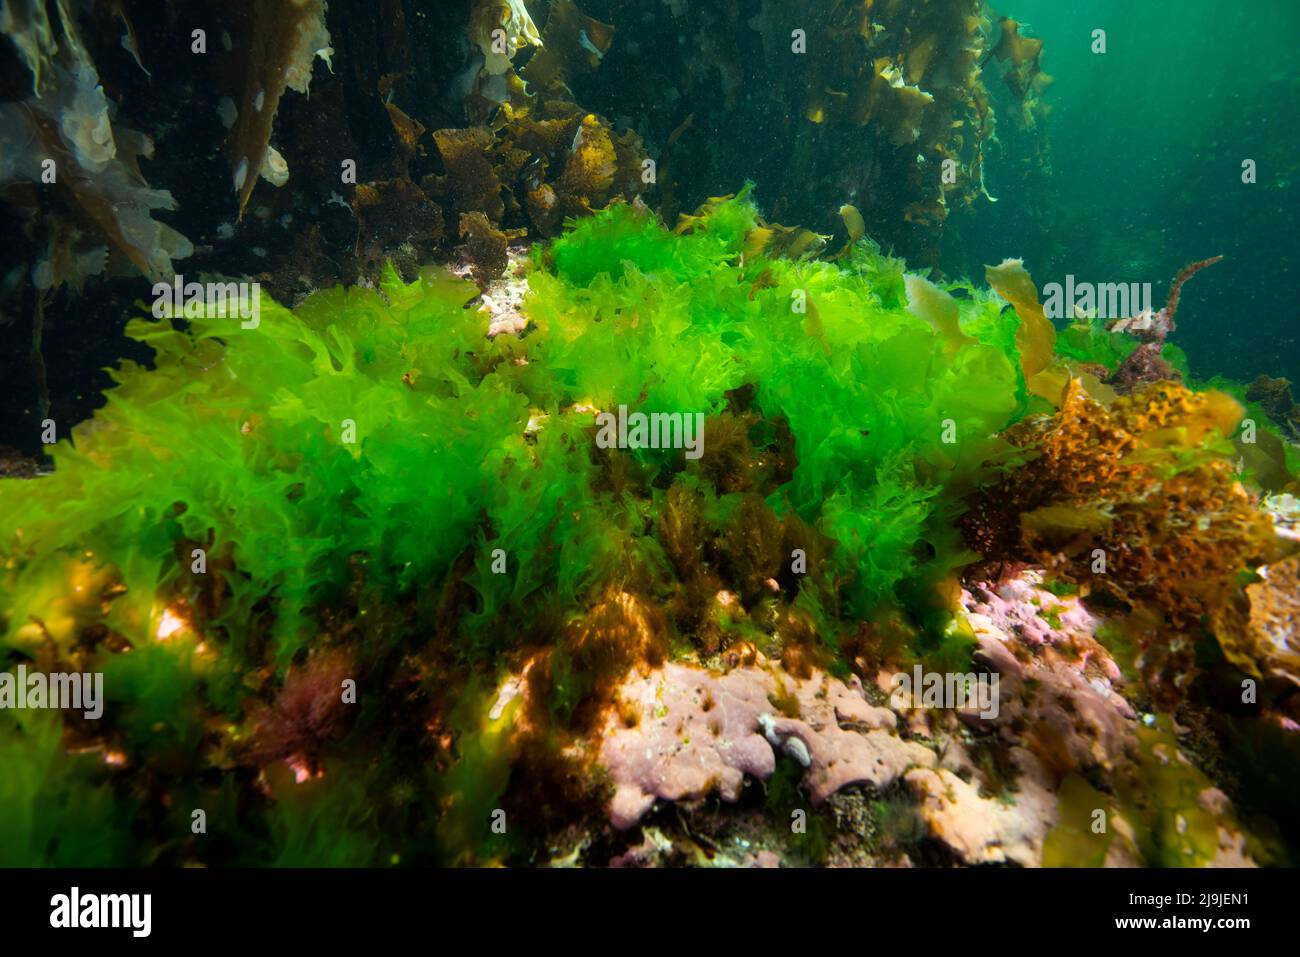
(1147, 145)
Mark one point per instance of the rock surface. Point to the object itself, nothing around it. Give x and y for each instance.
(682, 731)
(981, 830)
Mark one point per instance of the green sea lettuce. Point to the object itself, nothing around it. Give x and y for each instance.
(373, 451)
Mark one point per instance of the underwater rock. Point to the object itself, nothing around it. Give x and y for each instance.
(1160, 810)
(1232, 850)
(1058, 697)
(503, 298)
(13, 464)
(1021, 606)
(687, 751)
(681, 732)
(1284, 509)
(653, 850)
(980, 830)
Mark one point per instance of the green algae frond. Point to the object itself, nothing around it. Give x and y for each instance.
(382, 422)
(372, 449)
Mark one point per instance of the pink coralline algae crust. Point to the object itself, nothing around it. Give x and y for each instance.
(696, 731)
(1018, 606)
(1054, 679)
(984, 830)
(1066, 713)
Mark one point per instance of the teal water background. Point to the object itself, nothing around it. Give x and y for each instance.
(1147, 143)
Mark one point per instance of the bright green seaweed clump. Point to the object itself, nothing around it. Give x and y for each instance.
(358, 423)
(370, 473)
